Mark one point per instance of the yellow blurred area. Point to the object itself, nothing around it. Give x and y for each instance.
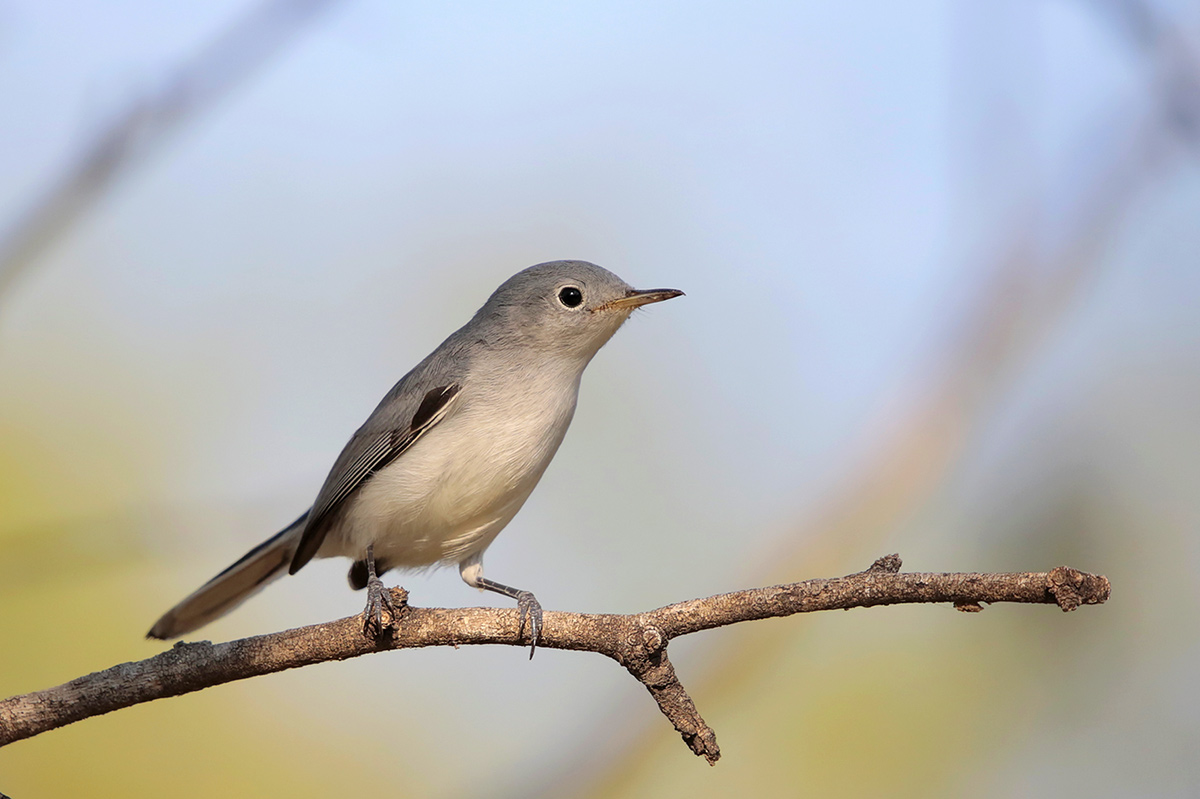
(81, 579)
(75, 581)
(914, 697)
(188, 747)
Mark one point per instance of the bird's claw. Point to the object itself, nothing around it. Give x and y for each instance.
(529, 608)
(379, 599)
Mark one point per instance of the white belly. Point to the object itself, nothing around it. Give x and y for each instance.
(455, 489)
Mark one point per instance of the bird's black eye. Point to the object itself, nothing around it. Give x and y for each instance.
(570, 296)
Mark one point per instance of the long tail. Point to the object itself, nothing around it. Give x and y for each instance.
(232, 587)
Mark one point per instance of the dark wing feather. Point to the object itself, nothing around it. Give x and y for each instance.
(363, 456)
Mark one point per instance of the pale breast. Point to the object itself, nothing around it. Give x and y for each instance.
(448, 496)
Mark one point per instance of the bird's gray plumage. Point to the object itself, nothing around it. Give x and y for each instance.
(454, 449)
(372, 448)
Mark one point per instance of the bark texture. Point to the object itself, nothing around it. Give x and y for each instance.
(636, 641)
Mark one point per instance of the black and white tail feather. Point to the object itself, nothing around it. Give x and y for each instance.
(250, 574)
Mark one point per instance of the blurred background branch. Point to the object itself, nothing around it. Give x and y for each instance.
(148, 123)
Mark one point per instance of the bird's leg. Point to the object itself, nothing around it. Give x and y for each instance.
(527, 606)
(378, 600)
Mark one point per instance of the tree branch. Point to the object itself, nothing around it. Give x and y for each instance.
(637, 641)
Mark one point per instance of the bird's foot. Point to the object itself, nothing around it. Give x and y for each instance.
(529, 608)
(379, 599)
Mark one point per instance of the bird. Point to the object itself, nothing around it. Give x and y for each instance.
(451, 453)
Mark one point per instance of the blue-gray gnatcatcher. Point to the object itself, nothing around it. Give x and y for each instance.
(451, 453)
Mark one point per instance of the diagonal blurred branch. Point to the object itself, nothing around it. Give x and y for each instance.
(1177, 62)
(194, 87)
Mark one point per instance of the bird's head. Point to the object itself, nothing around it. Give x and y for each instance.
(567, 308)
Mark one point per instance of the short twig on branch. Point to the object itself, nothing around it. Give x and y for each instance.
(637, 641)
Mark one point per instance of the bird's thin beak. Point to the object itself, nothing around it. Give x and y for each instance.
(639, 297)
